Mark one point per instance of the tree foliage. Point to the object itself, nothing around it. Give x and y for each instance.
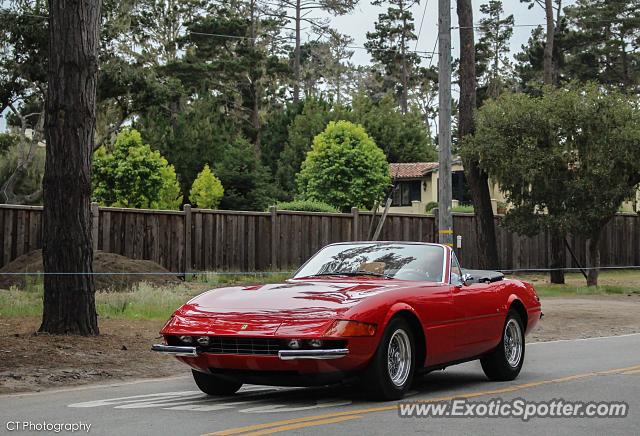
(402, 137)
(345, 168)
(206, 190)
(134, 175)
(198, 135)
(596, 41)
(247, 182)
(566, 160)
(493, 66)
(389, 46)
(306, 206)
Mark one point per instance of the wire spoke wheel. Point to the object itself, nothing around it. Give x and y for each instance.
(513, 343)
(399, 357)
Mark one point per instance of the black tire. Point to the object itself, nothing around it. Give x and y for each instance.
(215, 385)
(500, 364)
(377, 379)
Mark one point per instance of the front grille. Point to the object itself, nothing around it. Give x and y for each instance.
(235, 345)
(243, 345)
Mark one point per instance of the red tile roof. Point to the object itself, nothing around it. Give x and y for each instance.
(414, 170)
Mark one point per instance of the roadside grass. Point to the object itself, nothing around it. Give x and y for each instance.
(143, 301)
(610, 282)
(150, 302)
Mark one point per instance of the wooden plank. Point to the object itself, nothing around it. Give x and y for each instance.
(140, 236)
(187, 248)
(219, 241)
(207, 235)
(162, 240)
(34, 230)
(251, 242)
(355, 230)
(241, 243)
(95, 225)
(274, 237)
(197, 242)
(20, 232)
(8, 235)
(181, 245)
(107, 231)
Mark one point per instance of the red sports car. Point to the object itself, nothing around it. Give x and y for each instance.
(379, 311)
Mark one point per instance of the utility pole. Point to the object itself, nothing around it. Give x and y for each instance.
(445, 221)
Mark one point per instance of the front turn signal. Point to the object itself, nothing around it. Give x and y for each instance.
(350, 328)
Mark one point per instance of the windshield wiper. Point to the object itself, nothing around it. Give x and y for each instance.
(352, 274)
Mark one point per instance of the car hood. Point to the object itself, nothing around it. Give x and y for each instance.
(300, 306)
(316, 299)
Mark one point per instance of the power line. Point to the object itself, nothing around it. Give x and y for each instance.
(424, 13)
(357, 47)
(9, 12)
(620, 20)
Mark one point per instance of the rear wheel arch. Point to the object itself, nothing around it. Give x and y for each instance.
(518, 306)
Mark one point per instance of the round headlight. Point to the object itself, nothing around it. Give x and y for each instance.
(315, 343)
(203, 340)
(186, 339)
(294, 343)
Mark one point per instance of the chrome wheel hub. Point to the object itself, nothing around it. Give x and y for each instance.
(399, 358)
(513, 343)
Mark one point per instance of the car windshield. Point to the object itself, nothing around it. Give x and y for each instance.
(419, 262)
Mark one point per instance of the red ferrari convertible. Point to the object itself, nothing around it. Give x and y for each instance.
(379, 311)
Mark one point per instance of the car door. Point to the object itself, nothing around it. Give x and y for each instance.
(480, 309)
(434, 303)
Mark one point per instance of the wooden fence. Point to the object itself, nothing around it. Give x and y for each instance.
(215, 240)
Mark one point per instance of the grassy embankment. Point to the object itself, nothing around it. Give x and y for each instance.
(142, 302)
(610, 282)
(147, 302)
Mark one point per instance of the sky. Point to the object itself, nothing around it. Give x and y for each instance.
(362, 19)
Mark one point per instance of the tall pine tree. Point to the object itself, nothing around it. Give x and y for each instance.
(389, 46)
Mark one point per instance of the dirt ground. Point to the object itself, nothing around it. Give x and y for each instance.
(30, 362)
(118, 267)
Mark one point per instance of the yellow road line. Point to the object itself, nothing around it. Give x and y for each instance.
(634, 371)
(302, 425)
(309, 421)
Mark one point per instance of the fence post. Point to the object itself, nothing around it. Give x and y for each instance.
(274, 237)
(95, 222)
(187, 239)
(355, 228)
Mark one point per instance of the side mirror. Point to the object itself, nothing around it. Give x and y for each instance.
(466, 279)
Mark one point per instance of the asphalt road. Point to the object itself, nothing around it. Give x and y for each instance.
(600, 369)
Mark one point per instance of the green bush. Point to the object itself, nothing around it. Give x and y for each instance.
(306, 206)
(430, 206)
(462, 209)
(206, 190)
(344, 168)
(134, 175)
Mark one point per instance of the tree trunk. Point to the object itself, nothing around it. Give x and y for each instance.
(548, 48)
(69, 299)
(477, 178)
(558, 256)
(296, 56)
(593, 260)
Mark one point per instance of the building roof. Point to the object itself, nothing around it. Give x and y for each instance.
(413, 170)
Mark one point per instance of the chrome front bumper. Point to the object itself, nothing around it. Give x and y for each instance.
(282, 354)
(175, 350)
(312, 354)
